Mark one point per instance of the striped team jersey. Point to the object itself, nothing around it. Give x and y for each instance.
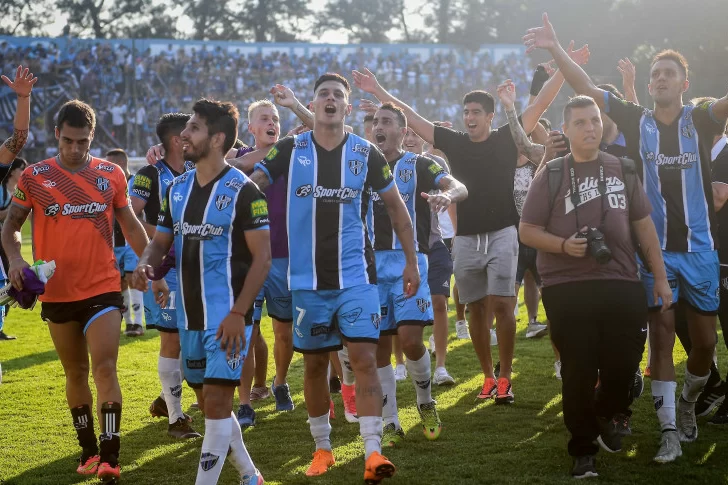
(150, 184)
(212, 257)
(327, 201)
(413, 175)
(674, 163)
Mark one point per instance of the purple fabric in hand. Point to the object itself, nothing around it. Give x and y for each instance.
(32, 287)
(168, 263)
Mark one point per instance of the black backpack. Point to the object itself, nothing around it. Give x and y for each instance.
(629, 171)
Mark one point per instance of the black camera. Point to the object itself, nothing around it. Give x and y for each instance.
(596, 244)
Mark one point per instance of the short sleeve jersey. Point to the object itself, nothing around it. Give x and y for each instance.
(150, 185)
(327, 201)
(413, 175)
(212, 256)
(487, 169)
(73, 225)
(619, 210)
(676, 178)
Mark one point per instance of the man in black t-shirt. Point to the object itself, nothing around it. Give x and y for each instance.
(485, 249)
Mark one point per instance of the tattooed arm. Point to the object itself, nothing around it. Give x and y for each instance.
(22, 85)
(507, 94)
(11, 241)
(261, 179)
(284, 96)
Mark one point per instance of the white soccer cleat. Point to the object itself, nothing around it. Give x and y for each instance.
(687, 425)
(670, 449)
(536, 330)
(461, 330)
(400, 372)
(442, 378)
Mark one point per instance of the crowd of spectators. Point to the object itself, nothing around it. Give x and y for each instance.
(131, 89)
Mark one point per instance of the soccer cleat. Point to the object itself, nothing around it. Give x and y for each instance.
(710, 398)
(348, 395)
(282, 393)
(88, 465)
(335, 385)
(133, 330)
(721, 415)
(493, 338)
(431, 342)
(490, 389)
(181, 429)
(256, 479)
(322, 461)
(431, 424)
(246, 416)
(536, 330)
(259, 393)
(504, 394)
(610, 438)
(377, 468)
(669, 447)
(107, 473)
(4, 336)
(638, 385)
(461, 330)
(442, 378)
(584, 467)
(687, 425)
(400, 372)
(496, 370)
(391, 435)
(158, 409)
(557, 369)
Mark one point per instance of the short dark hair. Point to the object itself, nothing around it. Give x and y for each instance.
(220, 117)
(77, 114)
(368, 118)
(671, 55)
(169, 125)
(483, 98)
(545, 123)
(393, 108)
(332, 76)
(611, 88)
(17, 164)
(117, 152)
(577, 102)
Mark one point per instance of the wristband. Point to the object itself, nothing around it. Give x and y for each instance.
(539, 79)
(237, 312)
(28, 96)
(563, 243)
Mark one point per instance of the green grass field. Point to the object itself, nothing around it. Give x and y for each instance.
(524, 443)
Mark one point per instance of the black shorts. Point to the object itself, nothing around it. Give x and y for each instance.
(439, 269)
(82, 311)
(526, 262)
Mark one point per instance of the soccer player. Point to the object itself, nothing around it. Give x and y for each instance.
(126, 260)
(671, 145)
(218, 223)
(75, 197)
(148, 189)
(416, 176)
(331, 272)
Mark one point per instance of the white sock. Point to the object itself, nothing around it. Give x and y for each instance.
(663, 395)
(348, 374)
(421, 371)
(171, 379)
(321, 431)
(693, 386)
(136, 306)
(214, 450)
(389, 395)
(127, 307)
(239, 456)
(370, 429)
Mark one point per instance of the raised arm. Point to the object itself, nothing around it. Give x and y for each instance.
(367, 82)
(22, 85)
(629, 73)
(544, 37)
(247, 162)
(284, 97)
(507, 94)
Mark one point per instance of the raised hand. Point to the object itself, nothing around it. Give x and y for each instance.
(543, 37)
(155, 154)
(369, 106)
(507, 93)
(283, 96)
(581, 55)
(628, 71)
(550, 69)
(23, 83)
(366, 81)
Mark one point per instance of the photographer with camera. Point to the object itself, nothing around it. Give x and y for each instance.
(580, 214)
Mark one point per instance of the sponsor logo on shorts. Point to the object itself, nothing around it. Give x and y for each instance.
(672, 283)
(208, 461)
(196, 364)
(39, 169)
(351, 316)
(234, 361)
(320, 329)
(400, 300)
(423, 304)
(166, 316)
(703, 288)
(283, 301)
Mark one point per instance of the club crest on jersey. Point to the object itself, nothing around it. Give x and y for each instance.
(423, 304)
(102, 184)
(405, 175)
(208, 461)
(41, 169)
(358, 148)
(688, 131)
(222, 202)
(356, 166)
(234, 361)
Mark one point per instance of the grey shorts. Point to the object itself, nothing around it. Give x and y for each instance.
(485, 264)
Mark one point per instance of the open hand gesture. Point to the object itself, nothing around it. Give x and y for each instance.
(366, 81)
(507, 93)
(543, 37)
(23, 83)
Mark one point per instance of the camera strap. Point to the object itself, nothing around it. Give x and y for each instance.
(576, 196)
